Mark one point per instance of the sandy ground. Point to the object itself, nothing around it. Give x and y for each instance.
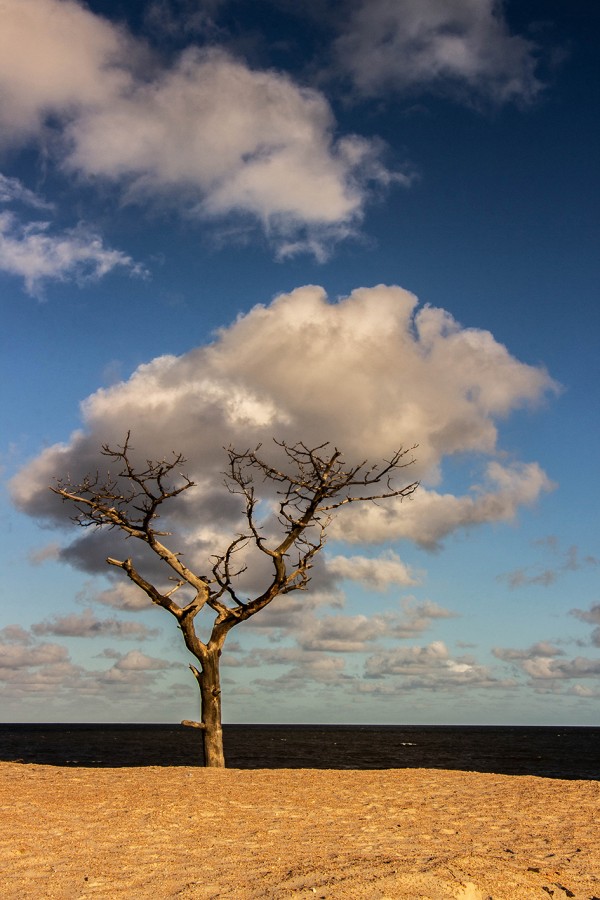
(195, 834)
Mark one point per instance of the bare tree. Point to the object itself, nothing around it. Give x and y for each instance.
(310, 485)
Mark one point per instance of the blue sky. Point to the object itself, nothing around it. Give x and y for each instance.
(369, 223)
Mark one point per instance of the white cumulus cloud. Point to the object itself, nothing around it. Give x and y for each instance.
(434, 515)
(548, 665)
(17, 655)
(55, 57)
(369, 373)
(376, 573)
(137, 661)
(132, 669)
(354, 634)
(430, 667)
(204, 130)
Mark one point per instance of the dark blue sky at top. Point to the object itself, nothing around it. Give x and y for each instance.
(500, 226)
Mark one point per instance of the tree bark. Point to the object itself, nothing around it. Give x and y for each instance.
(209, 681)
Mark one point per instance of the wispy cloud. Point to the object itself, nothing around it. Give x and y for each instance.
(121, 595)
(540, 650)
(12, 190)
(592, 617)
(464, 48)
(87, 625)
(548, 665)
(36, 252)
(563, 561)
(183, 18)
(43, 554)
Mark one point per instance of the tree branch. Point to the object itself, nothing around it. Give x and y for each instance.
(312, 483)
(155, 595)
(318, 481)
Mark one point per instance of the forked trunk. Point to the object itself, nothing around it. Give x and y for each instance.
(210, 698)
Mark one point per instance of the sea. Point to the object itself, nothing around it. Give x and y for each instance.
(545, 751)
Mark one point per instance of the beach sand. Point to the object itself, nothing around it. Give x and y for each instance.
(195, 834)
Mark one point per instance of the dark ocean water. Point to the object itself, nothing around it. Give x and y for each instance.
(548, 751)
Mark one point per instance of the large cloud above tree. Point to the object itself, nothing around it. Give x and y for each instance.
(369, 373)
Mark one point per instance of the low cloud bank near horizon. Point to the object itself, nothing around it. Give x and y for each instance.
(357, 655)
(368, 373)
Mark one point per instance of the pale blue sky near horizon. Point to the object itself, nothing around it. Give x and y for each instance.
(163, 171)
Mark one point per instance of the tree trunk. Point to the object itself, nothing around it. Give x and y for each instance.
(210, 698)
